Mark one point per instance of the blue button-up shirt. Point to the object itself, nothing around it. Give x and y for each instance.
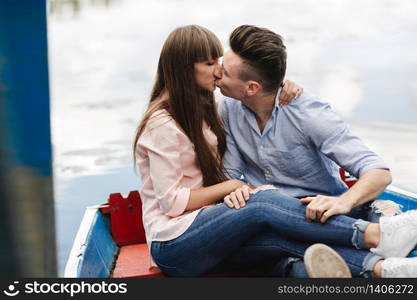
(299, 151)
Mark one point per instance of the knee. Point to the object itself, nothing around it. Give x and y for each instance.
(267, 196)
(263, 203)
(268, 199)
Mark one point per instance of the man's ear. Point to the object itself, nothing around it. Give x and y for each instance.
(253, 87)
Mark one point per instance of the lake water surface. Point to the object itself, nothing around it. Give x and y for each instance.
(358, 55)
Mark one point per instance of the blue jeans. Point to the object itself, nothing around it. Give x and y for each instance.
(271, 226)
(294, 266)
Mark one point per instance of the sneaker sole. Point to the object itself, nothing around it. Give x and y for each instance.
(321, 261)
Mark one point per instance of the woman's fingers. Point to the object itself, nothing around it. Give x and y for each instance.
(228, 201)
(238, 198)
(289, 91)
(285, 96)
(299, 91)
(234, 201)
(246, 190)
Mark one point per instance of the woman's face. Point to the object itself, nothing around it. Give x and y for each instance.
(206, 73)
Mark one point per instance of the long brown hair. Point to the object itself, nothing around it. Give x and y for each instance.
(186, 102)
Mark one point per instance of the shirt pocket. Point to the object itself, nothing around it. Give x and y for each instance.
(296, 162)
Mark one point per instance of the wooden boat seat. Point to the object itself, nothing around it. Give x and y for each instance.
(133, 261)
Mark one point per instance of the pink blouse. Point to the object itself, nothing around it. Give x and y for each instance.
(167, 163)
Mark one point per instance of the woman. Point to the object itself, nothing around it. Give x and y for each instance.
(179, 147)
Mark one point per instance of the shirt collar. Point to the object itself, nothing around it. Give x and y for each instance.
(277, 98)
(276, 105)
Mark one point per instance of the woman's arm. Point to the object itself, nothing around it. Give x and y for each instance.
(208, 195)
(161, 143)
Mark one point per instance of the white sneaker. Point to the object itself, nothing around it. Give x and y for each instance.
(322, 261)
(398, 235)
(398, 267)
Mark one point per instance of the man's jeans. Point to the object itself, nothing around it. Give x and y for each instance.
(371, 211)
(271, 226)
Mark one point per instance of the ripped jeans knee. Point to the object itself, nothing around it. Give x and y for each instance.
(380, 208)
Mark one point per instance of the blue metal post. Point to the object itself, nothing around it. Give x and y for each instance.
(27, 227)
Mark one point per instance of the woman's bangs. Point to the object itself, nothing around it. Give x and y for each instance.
(207, 47)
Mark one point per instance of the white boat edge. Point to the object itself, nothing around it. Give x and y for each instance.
(401, 191)
(78, 248)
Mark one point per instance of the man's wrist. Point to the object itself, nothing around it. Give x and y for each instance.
(348, 199)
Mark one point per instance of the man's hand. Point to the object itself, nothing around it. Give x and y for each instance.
(238, 198)
(321, 208)
(289, 91)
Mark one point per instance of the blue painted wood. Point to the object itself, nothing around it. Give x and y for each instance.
(24, 84)
(100, 252)
(406, 202)
(25, 143)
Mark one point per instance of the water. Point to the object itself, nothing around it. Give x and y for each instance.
(357, 55)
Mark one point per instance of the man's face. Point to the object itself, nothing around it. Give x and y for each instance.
(230, 85)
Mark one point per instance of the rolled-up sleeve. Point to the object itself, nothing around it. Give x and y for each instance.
(331, 135)
(165, 169)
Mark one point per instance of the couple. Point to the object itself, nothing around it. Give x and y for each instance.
(245, 181)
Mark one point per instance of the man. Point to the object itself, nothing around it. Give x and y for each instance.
(297, 148)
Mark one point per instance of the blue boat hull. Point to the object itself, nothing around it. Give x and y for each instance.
(94, 251)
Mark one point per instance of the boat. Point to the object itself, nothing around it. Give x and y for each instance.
(111, 241)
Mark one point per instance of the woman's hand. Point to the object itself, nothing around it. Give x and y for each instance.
(238, 198)
(212, 194)
(289, 91)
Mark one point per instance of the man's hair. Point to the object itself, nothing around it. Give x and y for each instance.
(263, 53)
